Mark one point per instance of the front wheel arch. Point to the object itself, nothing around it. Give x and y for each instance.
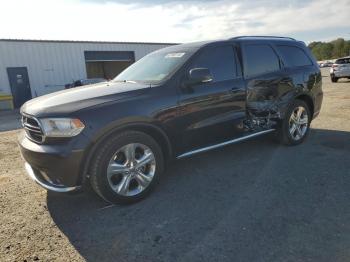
(103, 184)
(152, 130)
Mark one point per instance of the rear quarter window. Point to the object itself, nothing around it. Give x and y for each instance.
(293, 56)
(260, 59)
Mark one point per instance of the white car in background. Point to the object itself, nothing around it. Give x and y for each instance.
(340, 69)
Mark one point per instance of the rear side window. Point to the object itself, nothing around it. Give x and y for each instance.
(221, 62)
(260, 59)
(293, 56)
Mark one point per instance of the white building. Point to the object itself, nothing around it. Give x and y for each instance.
(31, 68)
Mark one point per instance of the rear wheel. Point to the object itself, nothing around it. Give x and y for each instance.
(126, 167)
(295, 126)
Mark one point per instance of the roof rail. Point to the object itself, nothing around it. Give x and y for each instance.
(262, 36)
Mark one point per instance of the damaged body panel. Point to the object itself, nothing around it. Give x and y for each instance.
(268, 94)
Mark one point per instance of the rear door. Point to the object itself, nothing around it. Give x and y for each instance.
(266, 82)
(19, 82)
(213, 112)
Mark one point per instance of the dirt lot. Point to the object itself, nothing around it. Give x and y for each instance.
(256, 201)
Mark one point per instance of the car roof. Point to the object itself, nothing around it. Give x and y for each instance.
(197, 45)
(262, 37)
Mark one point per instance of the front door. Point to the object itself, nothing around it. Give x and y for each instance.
(19, 82)
(213, 112)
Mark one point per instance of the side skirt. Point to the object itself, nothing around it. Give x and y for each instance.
(233, 141)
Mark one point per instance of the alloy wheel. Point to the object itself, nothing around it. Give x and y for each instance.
(131, 169)
(298, 123)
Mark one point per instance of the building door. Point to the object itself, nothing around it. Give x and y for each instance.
(19, 82)
(107, 64)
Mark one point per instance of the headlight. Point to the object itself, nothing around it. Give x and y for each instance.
(61, 127)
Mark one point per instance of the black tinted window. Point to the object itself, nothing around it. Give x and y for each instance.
(293, 56)
(220, 61)
(260, 59)
(342, 61)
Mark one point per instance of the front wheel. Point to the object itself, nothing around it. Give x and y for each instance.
(126, 167)
(296, 123)
(334, 79)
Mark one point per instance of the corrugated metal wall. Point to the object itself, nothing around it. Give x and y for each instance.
(51, 65)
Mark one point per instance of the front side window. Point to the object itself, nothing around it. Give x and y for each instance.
(154, 67)
(260, 59)
(220, 61)
(293, 56)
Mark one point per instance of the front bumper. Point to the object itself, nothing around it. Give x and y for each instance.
(55, 167)
(45, 182)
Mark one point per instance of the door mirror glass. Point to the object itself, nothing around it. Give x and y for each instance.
(199, 75)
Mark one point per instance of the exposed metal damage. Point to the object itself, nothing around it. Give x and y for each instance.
(266, 104)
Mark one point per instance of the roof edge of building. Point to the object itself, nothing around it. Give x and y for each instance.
(82, 41)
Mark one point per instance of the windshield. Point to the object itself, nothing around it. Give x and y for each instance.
(154, 67)
(342, 61)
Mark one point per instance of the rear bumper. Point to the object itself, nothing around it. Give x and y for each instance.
(54, 167)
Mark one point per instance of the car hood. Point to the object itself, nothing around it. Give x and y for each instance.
(71, 100)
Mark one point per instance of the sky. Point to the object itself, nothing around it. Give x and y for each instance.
(174, 21)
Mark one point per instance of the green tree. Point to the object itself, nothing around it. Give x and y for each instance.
(330, 50)
(338, 50)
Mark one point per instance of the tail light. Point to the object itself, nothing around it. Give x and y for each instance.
(334, 67)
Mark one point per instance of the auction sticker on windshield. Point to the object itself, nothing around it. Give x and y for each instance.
(174, 55)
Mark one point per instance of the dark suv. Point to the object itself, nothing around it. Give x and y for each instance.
(173, 103)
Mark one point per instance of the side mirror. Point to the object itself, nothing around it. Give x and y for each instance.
(199, 75)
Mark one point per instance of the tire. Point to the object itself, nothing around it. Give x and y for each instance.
(115, 173)
(334, 79)
(285, 132)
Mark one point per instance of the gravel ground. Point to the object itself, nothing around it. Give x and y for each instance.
(256, 201)
(10, 120)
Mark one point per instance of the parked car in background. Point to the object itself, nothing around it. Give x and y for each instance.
(340, 69)
(173, 103)
(83, 82)
(326, 64)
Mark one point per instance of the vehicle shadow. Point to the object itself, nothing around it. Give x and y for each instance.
(251, 201)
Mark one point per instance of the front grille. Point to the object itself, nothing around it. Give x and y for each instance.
(32, 129)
